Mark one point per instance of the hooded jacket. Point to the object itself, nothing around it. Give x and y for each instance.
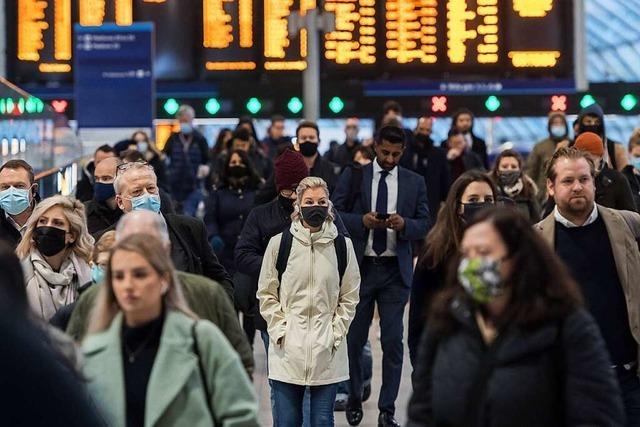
(308, 313)
(616, 156)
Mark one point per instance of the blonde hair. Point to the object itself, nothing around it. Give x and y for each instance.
(74, 213)
(150, 248)
(308, 183)
(104, 244)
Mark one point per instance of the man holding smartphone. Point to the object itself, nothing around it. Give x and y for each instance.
(390, 212)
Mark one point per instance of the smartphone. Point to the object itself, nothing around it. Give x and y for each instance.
(382, 216)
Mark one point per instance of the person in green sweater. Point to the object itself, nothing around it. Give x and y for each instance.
(149, 360)
(204, 296)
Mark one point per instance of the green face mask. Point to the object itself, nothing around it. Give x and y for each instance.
(480, 278)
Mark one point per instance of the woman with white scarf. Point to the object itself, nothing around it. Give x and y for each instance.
(55, 253)
(514, 186)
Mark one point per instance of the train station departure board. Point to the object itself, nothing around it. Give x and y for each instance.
(200, 39)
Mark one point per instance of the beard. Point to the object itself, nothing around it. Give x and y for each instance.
(579, 205)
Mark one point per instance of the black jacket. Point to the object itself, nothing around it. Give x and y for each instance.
(342, 155)
(322, 168)
(613, 190)
(8, 232)
(479, 147)
(263, 223)
(634, 183)
(557, 374)
(84, 188)
(191, 251)
(431, 163)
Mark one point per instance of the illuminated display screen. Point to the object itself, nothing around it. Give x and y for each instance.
(433, 39)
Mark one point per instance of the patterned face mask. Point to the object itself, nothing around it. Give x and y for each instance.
(480, 278)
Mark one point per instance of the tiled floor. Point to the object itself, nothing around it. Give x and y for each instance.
(370, 407)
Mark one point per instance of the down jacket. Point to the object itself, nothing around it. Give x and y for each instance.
(558, 374)
(308, 314)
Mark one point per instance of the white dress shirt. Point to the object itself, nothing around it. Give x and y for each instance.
(564, 221)
(392, 207)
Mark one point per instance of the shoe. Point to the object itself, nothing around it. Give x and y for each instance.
(340, 404)
(366, 392)
(354, 415)
(386, 419)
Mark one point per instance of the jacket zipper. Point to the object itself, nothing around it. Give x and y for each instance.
(309, 355)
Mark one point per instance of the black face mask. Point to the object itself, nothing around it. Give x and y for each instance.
(237, 171)
(597, 129)
(308, 149)
(49, 240)
(315, 216)
(286, 203)
(470, 210)
(509, 179)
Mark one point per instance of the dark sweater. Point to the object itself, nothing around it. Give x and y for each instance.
(143, 343)
(587, 252)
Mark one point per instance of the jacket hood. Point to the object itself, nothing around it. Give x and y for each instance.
(563, 116)
(327, 233)
(593, 109)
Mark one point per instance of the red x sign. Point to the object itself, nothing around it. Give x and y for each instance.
(559, 103)
(439, 104)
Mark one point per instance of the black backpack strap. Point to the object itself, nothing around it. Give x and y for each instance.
(283, 252)
(340, 244)
(203, 376)
(611, 151)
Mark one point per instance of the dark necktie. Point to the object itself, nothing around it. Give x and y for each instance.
(380, 234)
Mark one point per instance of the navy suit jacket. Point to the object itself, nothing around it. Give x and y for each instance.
(412, 206)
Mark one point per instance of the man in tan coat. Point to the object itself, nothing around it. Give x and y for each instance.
(600, 247)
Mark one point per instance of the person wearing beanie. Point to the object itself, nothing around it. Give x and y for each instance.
(612, 188)
(543, 150)
(591, 119)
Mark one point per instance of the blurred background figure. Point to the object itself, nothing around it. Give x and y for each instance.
(229, 205)
(276, 141)
(342, 155)
(149, 359)
(153, 156)
(509, 339)
(514, 184)
(55, 254)
(462, 122)
(187, 152)
(558, 137)
(461, 157)
(84, 190)
(632, 170)
(591, 119)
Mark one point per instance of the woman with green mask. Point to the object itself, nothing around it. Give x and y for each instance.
(508, 341)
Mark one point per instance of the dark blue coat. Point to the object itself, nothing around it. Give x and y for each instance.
(226, 211)
(431, 162)
(412, 206)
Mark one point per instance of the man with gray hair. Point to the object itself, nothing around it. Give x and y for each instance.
(188, 154)
(204, 296)
(136, 189)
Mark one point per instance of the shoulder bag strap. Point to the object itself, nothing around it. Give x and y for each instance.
(203, 376)
(283, 252)
(340, 245)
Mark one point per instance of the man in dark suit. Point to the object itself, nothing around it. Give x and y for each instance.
(462, 121)
(390, 213)
(18, 197)
(136, 188)
(431, 162)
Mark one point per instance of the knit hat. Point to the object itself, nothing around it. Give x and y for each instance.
(591, 143)
(290, 169)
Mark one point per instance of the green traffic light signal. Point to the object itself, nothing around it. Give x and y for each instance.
(492, 103)
(336, 104)
(212, 106)
(587, 100)
(171, 106)
(254, 105)
(295, 105)
(629, 102)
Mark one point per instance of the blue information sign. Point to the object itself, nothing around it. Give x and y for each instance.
(113, 79)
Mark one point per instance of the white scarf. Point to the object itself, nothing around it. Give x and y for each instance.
(48, 290)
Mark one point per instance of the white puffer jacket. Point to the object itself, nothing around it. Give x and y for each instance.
(309, 313)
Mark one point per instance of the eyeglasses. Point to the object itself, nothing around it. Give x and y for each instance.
(138, 164)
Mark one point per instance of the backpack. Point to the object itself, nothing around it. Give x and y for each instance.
(340, 245)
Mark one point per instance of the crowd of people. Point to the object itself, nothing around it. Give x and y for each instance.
(144, 293)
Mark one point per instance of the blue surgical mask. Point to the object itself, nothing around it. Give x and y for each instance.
(635, 162)
(14, 201)
(186, 128)
(558, 131)
(149, 202)
(97, 273)
(143, 147)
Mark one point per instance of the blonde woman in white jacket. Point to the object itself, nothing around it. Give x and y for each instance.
(308, 311)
